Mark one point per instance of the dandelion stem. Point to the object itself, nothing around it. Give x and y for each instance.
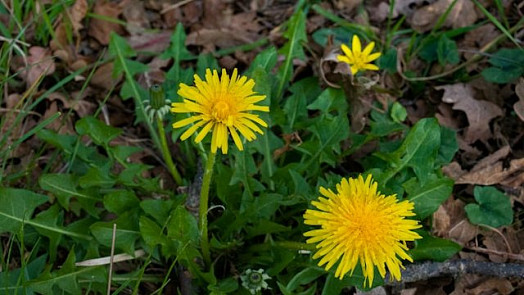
(165, 152)
(204, 204)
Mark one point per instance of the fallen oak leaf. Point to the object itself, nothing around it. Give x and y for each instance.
(478, 112)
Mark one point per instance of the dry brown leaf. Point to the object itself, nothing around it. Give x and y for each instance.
(347, 5)
(135, 15)
(509, 243)
(450, 222)
(151, 42)
(39, 63)
(478, 112)
(478, 38)
(77, 13)
(103, 77)
(76, 102)
(493, 174)
(462, 14)
(100, 29)
(155, 74)
(519, 105)
(489, 160)
(500, 286)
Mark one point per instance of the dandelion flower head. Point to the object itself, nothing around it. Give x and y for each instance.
(222, 106)
(357, 59)
(360, 225)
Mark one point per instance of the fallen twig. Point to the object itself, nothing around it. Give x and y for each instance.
(428, 270)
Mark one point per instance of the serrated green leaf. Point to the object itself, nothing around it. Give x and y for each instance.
(183, 227)
(122, 152)
(398, 112)
(388, 61)
(51, 218)
(428, 197)
(98, 131)
(17, 207)
(508, 58)
(151, 232)
(418, 151)
(66, 279)
(177, 51)
(296, 34)
(330, 100)
(493, 209)
(97, 177)
(329, 132)
(264, 227)
(127, 232)
(158, 209)
(63, 187)
(266, 60)
(243, 171)
(120, 201)
(433, 248)
(447, 52)
(501, 76)
(13, 281)
(62, 141)
(304, 277)
(448, 146)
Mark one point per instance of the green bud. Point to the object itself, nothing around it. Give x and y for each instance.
(158, 100)
(255, 280)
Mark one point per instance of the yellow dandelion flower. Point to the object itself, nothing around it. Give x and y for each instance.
(360, 225)
(357, 59)
(220, 105)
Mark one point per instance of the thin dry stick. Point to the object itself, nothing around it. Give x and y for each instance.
(175, 6)
(501, 253)
(427, 270)
(500, 234)
(110, 275)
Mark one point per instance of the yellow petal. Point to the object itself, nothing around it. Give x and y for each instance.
(191, 130)
(347, 52)
(236, 138)
(356, 47)
(372, 57)
(186, 121)
(202, 134)
(368, 49)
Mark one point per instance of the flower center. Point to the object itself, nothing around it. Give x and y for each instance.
(368, 225)
(221, 111)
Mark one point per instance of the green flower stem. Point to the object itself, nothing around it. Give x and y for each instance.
(204, 204)
(165, 152)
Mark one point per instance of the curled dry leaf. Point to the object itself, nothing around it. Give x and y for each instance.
(519, 105)
(478, 112)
